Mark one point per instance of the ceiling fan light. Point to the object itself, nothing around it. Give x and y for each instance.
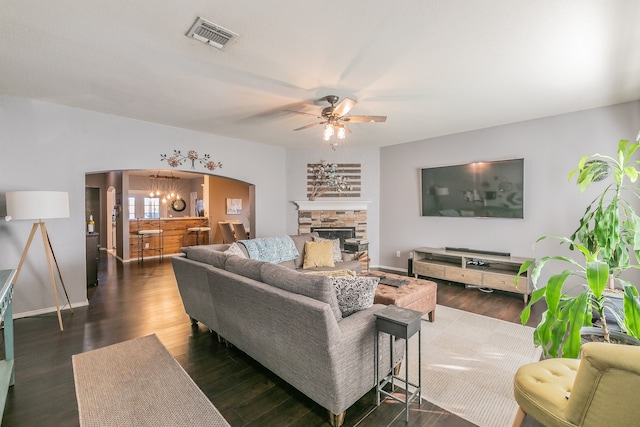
(328, 132)
(342, 133)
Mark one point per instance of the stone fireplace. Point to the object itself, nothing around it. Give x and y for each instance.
(333, 214)
(341, 233)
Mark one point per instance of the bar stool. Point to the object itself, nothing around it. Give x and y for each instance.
(142, 245)
(198, 230)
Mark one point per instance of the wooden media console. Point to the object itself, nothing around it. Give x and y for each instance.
(481, 269)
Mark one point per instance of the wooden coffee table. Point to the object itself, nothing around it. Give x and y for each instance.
(417, 294)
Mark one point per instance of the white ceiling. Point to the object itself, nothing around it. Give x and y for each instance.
(434, 67)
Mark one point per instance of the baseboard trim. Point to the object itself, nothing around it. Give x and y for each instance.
(48, 310)
(384, 267)
(152, 257)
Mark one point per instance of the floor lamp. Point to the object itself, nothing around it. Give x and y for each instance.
(37, 206)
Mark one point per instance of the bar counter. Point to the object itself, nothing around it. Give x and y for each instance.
(175, 234)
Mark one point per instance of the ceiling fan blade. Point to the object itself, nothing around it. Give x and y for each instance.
(344, 107)
(311, 125)
(305, 113)
(365, 119)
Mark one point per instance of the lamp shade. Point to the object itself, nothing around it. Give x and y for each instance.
(37, 204)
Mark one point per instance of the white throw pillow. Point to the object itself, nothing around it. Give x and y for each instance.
(234, 249)
(337, 254)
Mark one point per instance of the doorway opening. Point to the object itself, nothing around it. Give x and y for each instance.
(184, 200)
(111, 223)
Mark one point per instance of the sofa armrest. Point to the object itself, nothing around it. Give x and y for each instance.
(358, 332)
(359, 321)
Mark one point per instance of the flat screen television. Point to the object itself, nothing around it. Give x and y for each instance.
(478, 190)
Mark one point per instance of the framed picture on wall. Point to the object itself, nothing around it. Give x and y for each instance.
(234, 206)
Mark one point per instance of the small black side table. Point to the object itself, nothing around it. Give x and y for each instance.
(402, 323)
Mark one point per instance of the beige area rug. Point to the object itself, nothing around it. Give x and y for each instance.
(468, 363)
(138, 383)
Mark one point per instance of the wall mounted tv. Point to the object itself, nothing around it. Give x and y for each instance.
(478, 190)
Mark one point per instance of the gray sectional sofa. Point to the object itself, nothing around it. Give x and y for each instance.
(288, 321)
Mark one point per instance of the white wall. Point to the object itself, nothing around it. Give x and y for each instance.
(551, 148)
(51, 147)
(369, 158)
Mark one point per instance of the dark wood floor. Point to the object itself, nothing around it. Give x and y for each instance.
(133, 301)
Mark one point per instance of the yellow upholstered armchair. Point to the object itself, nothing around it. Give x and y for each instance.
(602, 388)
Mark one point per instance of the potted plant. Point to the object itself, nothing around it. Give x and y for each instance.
(608, 243)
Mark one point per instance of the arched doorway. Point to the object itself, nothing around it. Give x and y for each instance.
(124, 191)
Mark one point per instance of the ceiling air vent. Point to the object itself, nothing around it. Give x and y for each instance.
(211, 33)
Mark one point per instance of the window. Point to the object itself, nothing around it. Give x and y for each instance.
(152, 207)
(132, 208)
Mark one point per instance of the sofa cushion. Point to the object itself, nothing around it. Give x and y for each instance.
(235, 249)
(355, 293)
(337, 253)
(299, 240)
(320, 288)
(289, 264)
(345, 265)
(244, 267)
(218, 247)
(318, 254)
(207, 254)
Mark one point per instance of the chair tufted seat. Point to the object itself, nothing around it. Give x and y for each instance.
(603, 387)
(542, 389)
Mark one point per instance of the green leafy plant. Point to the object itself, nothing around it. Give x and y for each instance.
(608, 241)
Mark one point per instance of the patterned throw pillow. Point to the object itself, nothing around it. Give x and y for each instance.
(355, 293)
(234, 249)
(337, 253)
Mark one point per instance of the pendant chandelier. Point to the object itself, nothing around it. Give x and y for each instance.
(163, 186)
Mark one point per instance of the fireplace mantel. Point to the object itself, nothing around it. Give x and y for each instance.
(332, 205)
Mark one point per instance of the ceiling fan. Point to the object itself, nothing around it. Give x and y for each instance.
(335, 117)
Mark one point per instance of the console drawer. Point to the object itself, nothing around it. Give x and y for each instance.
(504, 282)
(429, 270)
(463, 275)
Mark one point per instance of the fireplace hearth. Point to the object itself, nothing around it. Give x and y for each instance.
(332, 215)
